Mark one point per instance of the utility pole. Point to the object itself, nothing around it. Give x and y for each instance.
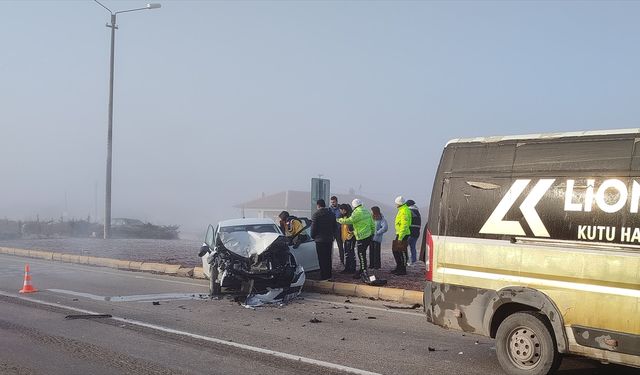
(113, 27)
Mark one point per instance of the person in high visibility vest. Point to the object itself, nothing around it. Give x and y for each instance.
(403, 230)
(363, 230)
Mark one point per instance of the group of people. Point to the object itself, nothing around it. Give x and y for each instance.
(356, 229)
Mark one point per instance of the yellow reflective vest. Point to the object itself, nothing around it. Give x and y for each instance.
(403, 222)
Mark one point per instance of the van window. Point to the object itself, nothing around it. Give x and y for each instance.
(483, 157)
(635, 162)
(469, 203)
(610, 155)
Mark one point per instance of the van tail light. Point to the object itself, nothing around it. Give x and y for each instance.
(429, 274)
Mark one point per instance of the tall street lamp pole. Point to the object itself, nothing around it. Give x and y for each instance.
(113, 26)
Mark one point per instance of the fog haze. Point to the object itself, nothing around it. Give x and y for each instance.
(218, 102)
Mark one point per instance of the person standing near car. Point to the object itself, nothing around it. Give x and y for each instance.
(403, 225)
(414, 229)
(363, 229)
(333, 206)
(323, 231)
(376, 242)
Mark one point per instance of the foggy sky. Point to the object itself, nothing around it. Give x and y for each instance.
(218, 102)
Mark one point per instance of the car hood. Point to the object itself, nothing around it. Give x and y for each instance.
(247, 244)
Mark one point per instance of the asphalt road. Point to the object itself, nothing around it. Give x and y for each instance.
(184, 332)
(184, 252)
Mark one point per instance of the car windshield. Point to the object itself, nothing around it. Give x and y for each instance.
(259, 228)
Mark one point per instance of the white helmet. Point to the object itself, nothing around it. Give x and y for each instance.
(400, 200)
(356, 202)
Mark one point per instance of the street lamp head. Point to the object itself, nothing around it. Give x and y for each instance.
(153, 6)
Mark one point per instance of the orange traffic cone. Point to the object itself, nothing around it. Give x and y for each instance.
(27, 287)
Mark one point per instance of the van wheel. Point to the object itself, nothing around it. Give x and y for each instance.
(214, 285)
(526, 346)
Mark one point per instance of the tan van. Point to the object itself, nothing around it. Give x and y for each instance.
(535, 241)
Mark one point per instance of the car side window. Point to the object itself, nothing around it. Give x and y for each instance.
(208, 238)
(306, 223)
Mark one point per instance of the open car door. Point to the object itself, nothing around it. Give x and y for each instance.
(305, 252)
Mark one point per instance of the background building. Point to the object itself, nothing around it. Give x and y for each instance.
(297, 204)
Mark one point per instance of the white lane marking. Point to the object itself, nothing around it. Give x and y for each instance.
(291, 357)
(365, 307)
(133, 298)
(79, 294)
(188, 296)
(157, 297)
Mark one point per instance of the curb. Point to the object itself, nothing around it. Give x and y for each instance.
(365, 291)
(161, 268)
(342, 289)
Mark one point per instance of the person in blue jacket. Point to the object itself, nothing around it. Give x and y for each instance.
(376, 243)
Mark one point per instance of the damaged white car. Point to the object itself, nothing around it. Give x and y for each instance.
(252, 256)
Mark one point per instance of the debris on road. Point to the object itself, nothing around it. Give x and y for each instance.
(371, 317)
(87, 316)
(432, 349)
(156, 303)
(315, 320)
(347, 301)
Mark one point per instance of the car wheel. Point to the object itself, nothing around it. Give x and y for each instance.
(526, 345)
(214, 285)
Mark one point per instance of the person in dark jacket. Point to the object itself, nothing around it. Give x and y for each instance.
(415, 229)
(323, 231)
(333, 206)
